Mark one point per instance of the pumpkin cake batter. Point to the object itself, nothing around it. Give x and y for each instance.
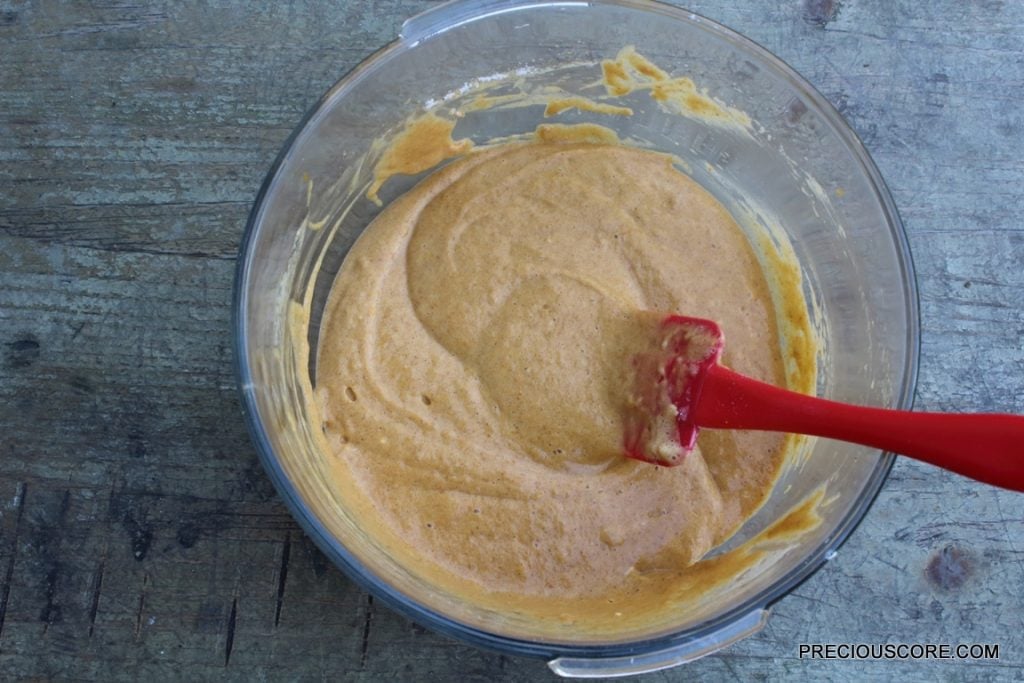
(473, 366)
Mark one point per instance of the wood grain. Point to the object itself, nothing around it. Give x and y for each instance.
(139, 537)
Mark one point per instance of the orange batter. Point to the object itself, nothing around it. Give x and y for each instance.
(473, 364)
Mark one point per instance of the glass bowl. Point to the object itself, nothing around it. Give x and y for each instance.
(801, 167)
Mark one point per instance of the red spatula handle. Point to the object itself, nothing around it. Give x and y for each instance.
(986, 447)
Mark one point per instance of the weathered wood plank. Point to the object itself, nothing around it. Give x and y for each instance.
(138, 534)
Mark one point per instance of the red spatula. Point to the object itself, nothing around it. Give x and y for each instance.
(680, 387)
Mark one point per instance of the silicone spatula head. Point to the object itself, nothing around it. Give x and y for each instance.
(667, 379)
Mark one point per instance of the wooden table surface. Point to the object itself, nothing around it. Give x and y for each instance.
(139, 536)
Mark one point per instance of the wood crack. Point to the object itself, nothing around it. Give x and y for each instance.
(367, 622)
(9, 574)
(229, 641)
(94, 605)
(282, 577)
(142, 606)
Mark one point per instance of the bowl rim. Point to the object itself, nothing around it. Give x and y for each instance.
(413, 32)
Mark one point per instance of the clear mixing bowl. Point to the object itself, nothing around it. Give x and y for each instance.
(802, 167)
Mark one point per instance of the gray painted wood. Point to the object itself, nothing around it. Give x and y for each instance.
(139, 536)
